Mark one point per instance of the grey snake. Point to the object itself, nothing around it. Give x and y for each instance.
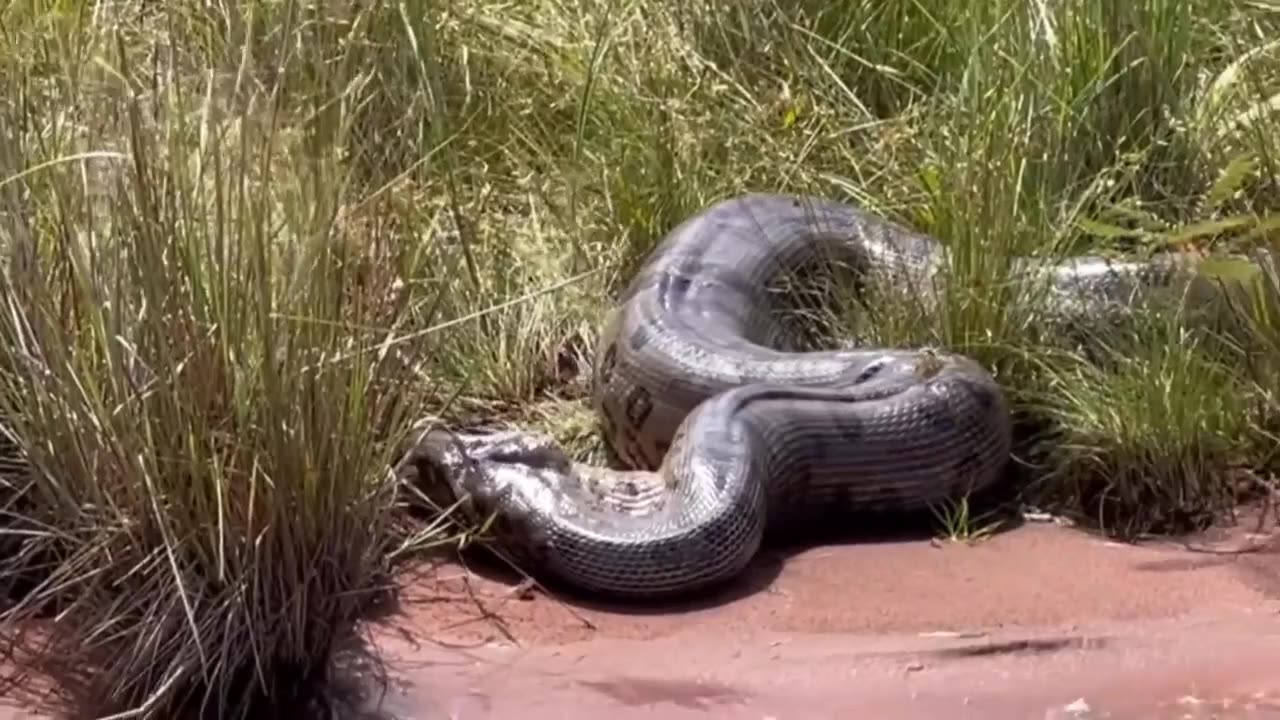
(729, 429)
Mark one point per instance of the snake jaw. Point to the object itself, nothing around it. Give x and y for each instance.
(508, 483)
(488, 471)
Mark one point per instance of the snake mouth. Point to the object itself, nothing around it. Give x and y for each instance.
(425, 467)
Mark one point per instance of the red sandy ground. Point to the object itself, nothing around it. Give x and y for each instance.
(1041, 622)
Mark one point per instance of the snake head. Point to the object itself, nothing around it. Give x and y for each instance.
(516, 474)
(430, 465)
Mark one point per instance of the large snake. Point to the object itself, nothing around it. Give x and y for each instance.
(730, 430)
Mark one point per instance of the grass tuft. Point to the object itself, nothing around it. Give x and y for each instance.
(1153, 434)
(195, 376)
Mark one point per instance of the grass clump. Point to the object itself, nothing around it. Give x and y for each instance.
(246, 245)
(1153, 433)
(196, 378)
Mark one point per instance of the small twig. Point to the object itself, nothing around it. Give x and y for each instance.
(1270, 492)
(1270, 489)
(485, 612)
(528, 582)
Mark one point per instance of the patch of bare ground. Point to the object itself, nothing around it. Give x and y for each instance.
(1040, 621)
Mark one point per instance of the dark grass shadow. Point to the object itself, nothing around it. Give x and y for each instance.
(29, 682)
(46, 672)
(358, 684)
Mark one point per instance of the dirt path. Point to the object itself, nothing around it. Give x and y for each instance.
(1040, 622)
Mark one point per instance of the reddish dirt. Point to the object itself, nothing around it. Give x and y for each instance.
(1040, 622)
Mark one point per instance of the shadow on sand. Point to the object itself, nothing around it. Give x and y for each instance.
(993, 510)
(357, 681)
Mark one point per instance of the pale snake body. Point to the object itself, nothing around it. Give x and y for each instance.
(693, 377)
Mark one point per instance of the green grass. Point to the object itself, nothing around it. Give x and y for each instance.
(246, 245)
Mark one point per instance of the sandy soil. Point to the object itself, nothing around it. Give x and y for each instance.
(1040, 622)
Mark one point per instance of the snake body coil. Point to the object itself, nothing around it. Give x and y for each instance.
(731, 431)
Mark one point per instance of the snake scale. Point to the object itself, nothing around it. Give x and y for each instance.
(728, 429)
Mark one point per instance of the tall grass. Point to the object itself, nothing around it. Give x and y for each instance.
(247, 244)
(195, 370)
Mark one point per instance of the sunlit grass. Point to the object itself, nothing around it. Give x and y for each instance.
(248, 244)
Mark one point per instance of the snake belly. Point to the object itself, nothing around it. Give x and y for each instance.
(731, 433)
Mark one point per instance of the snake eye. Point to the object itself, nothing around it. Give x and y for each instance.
(869, 372)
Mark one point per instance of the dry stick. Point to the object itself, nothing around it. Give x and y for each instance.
(528, 581)
(485, 612)
(1271, 489)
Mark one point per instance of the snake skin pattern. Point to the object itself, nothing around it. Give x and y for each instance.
(731, 431)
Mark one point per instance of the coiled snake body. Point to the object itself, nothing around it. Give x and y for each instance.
(730, 430)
